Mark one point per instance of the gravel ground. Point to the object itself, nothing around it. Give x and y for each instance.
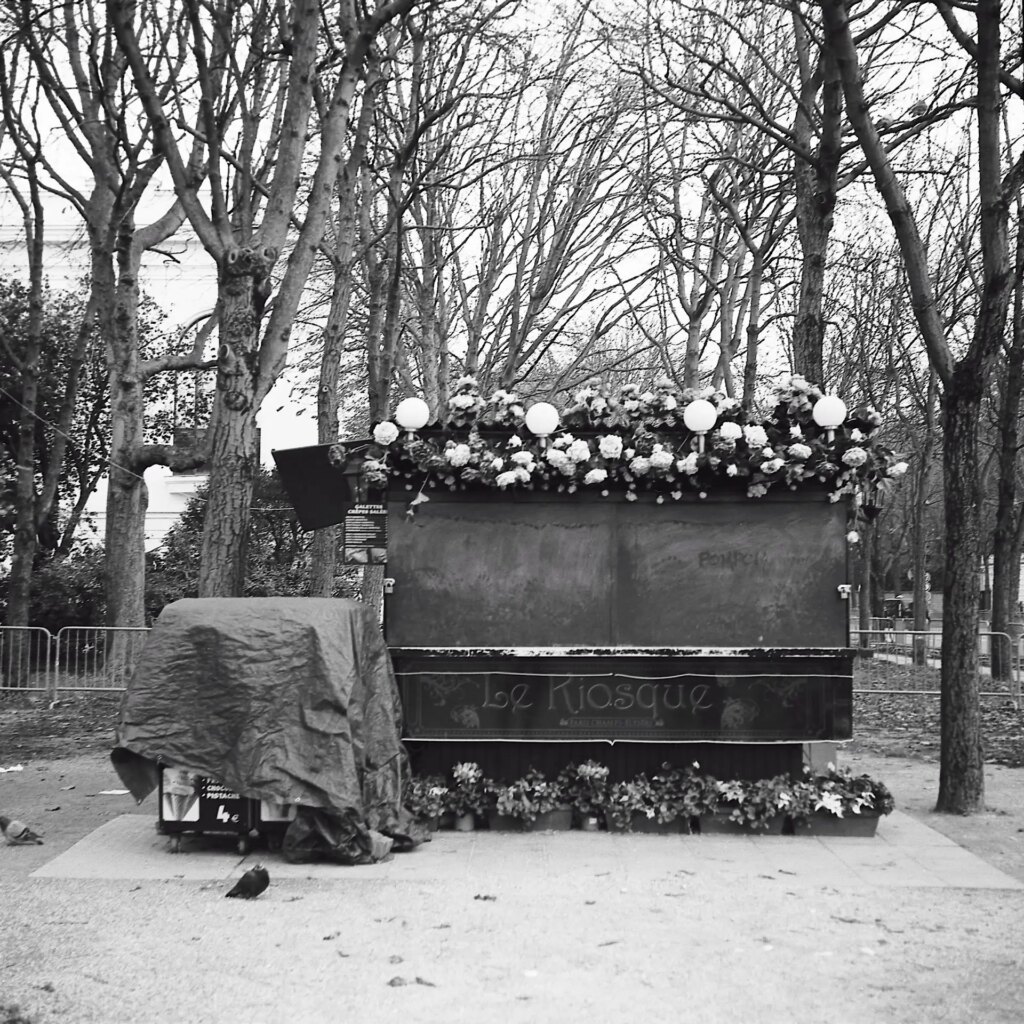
(644, 939)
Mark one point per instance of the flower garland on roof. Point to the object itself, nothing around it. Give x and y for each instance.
(633, 441)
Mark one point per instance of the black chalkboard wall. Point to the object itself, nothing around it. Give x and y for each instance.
(676, 624)
(532, 570)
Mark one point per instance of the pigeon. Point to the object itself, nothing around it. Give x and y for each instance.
(251, 884)
(17, 833)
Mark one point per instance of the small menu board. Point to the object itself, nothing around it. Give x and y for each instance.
(366, 535)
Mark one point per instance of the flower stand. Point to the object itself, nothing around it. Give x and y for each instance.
(465, 822)
(827, 824)
(590, 823)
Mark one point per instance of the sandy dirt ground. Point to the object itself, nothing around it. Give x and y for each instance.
(527, 933)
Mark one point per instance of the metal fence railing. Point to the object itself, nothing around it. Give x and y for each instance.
(898, 662)
(96, 658)
(908, 662)
(26, 654)
(78, 658)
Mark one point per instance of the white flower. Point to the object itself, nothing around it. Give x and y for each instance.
(522, 473)
(463, 401)
(853, 537)
(730, 431)
(661, 459)
(669, 402)
(640, 465)
(563, 440)
(467, 771)
(795, 431)
(596, 476)
(772, 465)
(648, 397)
(629, 453)
(768, 453)
(756, 436)
(830, 802)
(688, 465)
(523, 458)
(727, 405)
(385, 432)
(898, 469)
(799, 451)
(466, 381)
(578, 451)
(610, 446)
(856, 435)
(506, 479)
(855, 456)
(497, 463)
(557, 457)
(731, 470)
(458, 455)
(798, 383)
(517, 410)
(503, 397)
(599, 404)
(515, 441)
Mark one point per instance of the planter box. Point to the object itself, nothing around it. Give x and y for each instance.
(720, 823)
(557, 820)
(641, 823)
(854, 825)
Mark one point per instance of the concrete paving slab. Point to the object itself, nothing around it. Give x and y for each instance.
(905, 853)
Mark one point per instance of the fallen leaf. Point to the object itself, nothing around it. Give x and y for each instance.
(55, 808)
(423, 981)
(480, 896)
(397, 982)
(394, 959)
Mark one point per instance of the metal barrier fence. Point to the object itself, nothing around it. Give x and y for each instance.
(908, 662)
(77, 659)
(26, 653)
(900, 662)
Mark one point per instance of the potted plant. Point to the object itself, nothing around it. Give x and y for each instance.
(642, 804)
(530, 802)
(695, 794)
(585, 787)
(467, 795)
(427, 799)
(839, 803)
(744, 806)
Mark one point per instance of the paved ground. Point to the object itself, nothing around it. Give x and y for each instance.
(915, 925)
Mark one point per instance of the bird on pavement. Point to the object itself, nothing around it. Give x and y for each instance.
(251, 884)
(17, 833)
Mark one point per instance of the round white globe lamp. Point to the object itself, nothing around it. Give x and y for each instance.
(412, 413)
(829, 412)
(542, 420)
(700, 416)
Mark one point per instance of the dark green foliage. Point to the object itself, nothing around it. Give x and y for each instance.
(277, 557)
(65, 591)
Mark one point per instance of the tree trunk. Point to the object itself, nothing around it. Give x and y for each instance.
(127, 495)
(233, 458)
(961, 775)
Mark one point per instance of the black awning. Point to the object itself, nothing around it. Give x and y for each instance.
(322, 480)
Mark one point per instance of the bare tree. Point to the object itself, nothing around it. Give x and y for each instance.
(963, 377)
(255, 70)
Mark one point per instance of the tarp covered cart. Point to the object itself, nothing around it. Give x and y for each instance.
(272, 718)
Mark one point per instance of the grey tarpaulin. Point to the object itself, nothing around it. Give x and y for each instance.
(286, 699)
